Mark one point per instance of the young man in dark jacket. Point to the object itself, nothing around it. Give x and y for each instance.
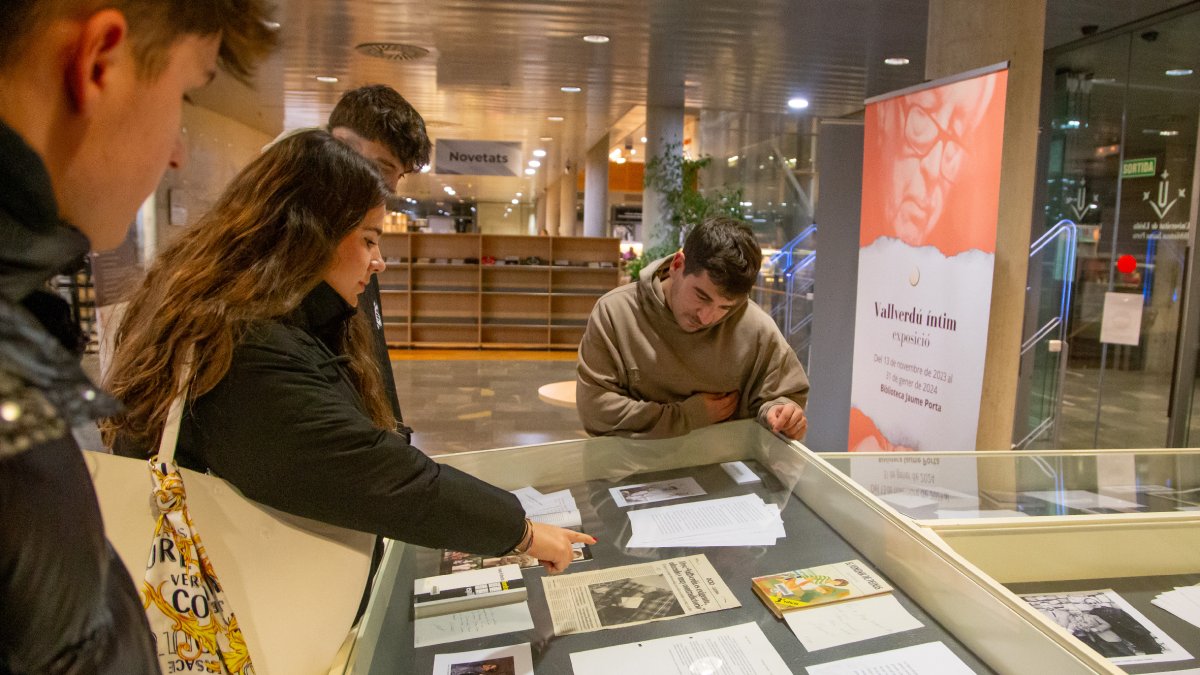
(91, 95)
(380, 125)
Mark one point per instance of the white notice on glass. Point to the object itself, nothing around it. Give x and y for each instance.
(737, 650)
(846, 622)
(1082, 499)
(511, 660)
(436, 630)
(1121, 323)
(931, 658)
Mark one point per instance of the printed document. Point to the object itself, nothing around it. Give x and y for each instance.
(478, 623)
(632, 594)
(735, 521)
(736, 650)
(931, 657)
(853, 621)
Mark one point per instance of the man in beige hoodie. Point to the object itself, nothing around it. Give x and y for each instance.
(685, 347)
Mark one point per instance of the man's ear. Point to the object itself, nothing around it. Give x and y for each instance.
(97, 48)
(677, 261)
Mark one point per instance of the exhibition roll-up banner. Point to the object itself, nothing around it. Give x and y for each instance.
(930, 200)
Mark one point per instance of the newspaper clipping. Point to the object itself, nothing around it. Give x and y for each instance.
(633, 594)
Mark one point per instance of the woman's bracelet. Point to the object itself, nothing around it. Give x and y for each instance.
(526, 542)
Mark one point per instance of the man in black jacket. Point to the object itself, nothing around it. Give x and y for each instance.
(380, 125)
(91, 96)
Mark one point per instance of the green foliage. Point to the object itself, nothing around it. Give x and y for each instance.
(677, 179)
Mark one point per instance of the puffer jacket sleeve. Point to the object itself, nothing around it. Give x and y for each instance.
(283, 429)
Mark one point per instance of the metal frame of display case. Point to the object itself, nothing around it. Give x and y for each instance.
(976, 609)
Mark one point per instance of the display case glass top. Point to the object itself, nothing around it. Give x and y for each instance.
(973, 485)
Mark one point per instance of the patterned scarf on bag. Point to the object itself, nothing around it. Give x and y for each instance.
(196, 631)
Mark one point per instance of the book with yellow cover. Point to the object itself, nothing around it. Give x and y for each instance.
(820, 585)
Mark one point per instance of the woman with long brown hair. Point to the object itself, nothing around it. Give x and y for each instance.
(284, 399)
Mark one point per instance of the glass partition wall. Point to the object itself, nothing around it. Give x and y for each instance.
(1118, 160)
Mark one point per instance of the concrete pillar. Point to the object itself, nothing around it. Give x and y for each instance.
(595, 190)
(964, 35)
(553, 198)
(664, 117)
(568, 213)
(539, 214)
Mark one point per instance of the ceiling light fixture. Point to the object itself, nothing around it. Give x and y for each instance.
(1168, 132)
(1179, 72)
(798, 103)
(327, 79)
(516, 201)
(520, 195)
(555, 118)
(539, 153)
(596, 39)
(546, 139)
(534, 163)
(896, 61)
(570, 89)
(643, 139)
(530, 172)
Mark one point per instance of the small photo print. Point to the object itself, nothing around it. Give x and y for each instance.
(457, 561)
(502, 666)
(658, 491)
(634, 600)
(1107, 623)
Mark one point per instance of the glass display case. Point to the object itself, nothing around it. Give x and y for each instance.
(1058, 527)
(828, 517)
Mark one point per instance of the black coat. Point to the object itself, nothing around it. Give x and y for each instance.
(287, 427)
(67, 604)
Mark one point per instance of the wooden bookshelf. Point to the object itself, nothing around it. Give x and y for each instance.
(493, 291)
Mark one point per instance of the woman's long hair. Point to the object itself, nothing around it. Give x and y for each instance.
(261, 249)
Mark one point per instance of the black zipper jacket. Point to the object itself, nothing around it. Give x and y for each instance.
(67, 604)
(287, 427)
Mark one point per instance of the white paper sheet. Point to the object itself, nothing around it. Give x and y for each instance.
(437, 630)
(1082, 499)
(740, 473)
(852, 621)
(931, 658)
(515, 659)
(736, 650)
(658, 491)
(946, 514)
(734, 521)
(559, 518)
(1183, 602)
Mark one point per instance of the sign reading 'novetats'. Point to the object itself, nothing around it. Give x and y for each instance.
(477, 158)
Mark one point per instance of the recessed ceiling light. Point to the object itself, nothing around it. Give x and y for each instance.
(691, 83)
(327, 79)
(595, 39)
(570, 89)
(896, 61)
(643, 139)
(516, 201)
(546, 138)
(539, 153)
(1168, 132)
(519, 194)
(555, 118)
(271, 25)
(798, 103)
(1179, 72)
(530, 172)
(534, 163)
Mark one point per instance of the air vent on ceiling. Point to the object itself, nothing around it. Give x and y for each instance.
(392, 51)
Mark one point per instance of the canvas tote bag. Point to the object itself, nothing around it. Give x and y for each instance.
(286, 587)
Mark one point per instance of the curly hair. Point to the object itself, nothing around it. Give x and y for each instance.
(378, 113)
(727, 249)
(261, 249)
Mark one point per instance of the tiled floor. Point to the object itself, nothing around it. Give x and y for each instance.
(459, 405)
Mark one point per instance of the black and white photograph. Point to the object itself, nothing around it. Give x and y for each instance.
(1107, 623)
(502, 666)
(658, 491)
(634, 600)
